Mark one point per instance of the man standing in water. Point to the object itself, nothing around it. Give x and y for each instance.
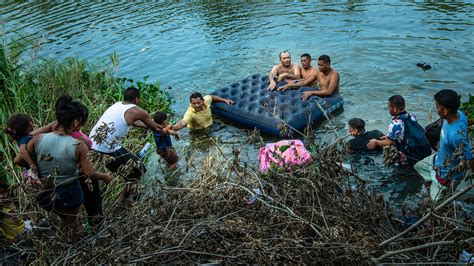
(108, 133)
(405, 133)
(446, 169)
(327, 77)
(199, 116)
(285, 70)
(309, 75)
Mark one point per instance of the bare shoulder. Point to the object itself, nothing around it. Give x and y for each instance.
(276, 68)
(135, 113)
(334, 73)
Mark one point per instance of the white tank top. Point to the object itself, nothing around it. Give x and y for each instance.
(113, 123)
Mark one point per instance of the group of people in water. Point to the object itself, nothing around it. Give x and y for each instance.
(448, 137)
(56, 155)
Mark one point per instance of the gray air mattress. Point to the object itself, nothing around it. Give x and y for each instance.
(257, 107)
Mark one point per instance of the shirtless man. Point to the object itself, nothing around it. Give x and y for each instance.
(328, 79)
(308, 73)
(283, 71)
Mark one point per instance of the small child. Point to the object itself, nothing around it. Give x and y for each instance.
(19, 127)
(164, 147)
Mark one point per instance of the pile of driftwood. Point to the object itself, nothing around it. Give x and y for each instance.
(231, 213)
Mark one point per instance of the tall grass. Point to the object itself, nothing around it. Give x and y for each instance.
(33, 89)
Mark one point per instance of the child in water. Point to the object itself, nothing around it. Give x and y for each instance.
(19, 127)
(164, 147)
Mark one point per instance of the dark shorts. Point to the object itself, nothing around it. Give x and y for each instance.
(62, 198)
(169, 155)
(126, 164)
(92, 198)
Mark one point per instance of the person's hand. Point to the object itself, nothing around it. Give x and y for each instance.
(282, 76)
(228, 102)
(282, 88)
(34, 168)
(373, 143)
(305, 95)
(107, 179)
(272, 85)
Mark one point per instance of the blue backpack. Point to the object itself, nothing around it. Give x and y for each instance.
(414, 145)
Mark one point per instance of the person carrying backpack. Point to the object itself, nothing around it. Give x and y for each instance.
(405, 133)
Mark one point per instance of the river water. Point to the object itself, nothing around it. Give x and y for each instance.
(204, 46)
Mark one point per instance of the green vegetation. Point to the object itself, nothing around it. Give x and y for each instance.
(33, 89)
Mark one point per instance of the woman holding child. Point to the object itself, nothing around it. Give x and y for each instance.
(59, 156)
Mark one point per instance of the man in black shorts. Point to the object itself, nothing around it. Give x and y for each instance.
(361, 137)
(108, 133)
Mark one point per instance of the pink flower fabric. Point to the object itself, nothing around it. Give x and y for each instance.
(284, 153)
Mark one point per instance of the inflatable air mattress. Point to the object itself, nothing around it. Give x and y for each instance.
(273, 112)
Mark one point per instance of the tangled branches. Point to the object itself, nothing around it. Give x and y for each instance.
(229, 213)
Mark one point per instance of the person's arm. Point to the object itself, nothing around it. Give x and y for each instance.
(170, 131)
(284, 76)
(333, 85)
(271, 78)
(299, 83)
(46, 129)
(181, 124)
(86, 165)
(139, 123)
(31, 146)
(374, 143)
(138, 114)
(219, 99)
(25, 155)
(296, 71)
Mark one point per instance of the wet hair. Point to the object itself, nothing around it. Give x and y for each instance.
(325, 59)
(19, 125)
(68, 110)
(130, 94)
(448, 99)
(397, 101)
(306, 55)
(357, 123)
(160, 117)
(196, 95)
(282, 52)
(83, 111)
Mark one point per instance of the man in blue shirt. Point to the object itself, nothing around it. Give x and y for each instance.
(449, 165)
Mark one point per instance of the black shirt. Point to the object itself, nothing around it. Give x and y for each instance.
(359, 143)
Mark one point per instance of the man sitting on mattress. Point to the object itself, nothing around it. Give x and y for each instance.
(327, 77)
(285, 70)
(308, 78)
